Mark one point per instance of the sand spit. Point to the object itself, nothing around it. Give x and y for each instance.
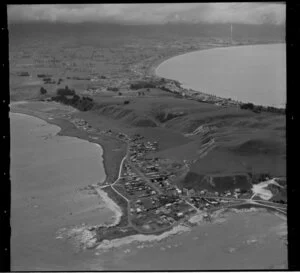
(106, 244)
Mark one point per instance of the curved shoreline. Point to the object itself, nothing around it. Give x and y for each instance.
(156, 65)
(113, 206)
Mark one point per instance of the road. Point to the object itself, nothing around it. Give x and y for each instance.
(120, 170)
(239, 199)
(198, 210)
(146, 179)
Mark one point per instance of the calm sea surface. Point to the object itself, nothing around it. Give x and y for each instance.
(47, 174)
(254, 73)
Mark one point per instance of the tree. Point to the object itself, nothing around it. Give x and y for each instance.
(65, 92)
(247, 106)
(43, 91)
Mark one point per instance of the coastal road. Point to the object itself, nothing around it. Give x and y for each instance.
(237, 199)
(198, 210)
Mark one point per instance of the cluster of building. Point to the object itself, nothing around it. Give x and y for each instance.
(174, 87)
(160, 211)
(151, 167)
(83, 125)
(204, 204)
(138, 150)
(133, 185)
(118, 135)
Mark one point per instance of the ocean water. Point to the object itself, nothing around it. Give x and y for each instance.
(249, 240)
(254, 73)
(47, 175)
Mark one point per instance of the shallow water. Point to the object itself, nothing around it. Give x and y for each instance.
(47, 175)
(255, 73)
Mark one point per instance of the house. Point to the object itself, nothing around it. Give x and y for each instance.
(138, 210)
(178, 190)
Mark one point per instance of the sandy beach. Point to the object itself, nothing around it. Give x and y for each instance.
(111, 205)
(111, 161)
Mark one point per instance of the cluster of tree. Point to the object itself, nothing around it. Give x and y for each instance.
(79, 78)
(260, 108)
(259, 177)
(114, 89)
(59, 81)
(43, 91)
(65, 91)
(142, 84)
(281, 201)
(249, 106)
(69, 97)
(126, 102)
(23, 74)
(43, 75)
(48, 80)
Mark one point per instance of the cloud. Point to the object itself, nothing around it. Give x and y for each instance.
(250, 13)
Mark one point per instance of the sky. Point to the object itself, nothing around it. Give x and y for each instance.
(248, 13)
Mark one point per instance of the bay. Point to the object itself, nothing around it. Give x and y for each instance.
(252, 73)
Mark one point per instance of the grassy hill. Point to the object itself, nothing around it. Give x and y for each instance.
(243, 141)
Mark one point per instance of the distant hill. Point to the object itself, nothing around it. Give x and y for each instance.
(262, 33)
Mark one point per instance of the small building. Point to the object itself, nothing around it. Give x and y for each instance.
(179, 214)
(178, 190)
